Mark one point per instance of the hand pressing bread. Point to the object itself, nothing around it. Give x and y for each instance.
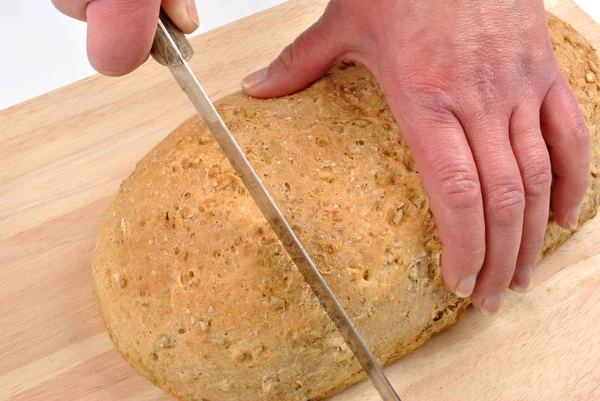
(486, 112)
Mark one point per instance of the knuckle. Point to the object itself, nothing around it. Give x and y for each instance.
(580, 134)
(484, 80)
(484, 94)
(537, 176)
(533, 59)
(472, 250)
(506, 201)
(287, 58)
(458, 187)
(581, 184)
(291, 57)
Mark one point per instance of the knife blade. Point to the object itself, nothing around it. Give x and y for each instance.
(171, 48)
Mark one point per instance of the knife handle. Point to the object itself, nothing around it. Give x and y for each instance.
(162, 49)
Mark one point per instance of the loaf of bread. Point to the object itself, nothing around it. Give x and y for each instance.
(198, 294)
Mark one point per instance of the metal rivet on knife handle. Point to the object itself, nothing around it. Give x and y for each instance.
(162, 51)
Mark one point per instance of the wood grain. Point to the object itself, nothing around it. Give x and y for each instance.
(62, 157)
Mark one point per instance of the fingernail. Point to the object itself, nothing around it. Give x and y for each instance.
(522, 279)
(465, 286)
(573, 219)
(192, 12)
(255, 78)
(491, 305)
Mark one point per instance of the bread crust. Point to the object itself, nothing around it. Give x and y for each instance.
(199, 296)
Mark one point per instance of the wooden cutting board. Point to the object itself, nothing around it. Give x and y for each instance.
(62, 157)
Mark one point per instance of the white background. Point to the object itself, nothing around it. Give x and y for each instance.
(43, 50)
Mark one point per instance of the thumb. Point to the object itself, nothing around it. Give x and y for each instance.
(120, 32)
(304, 61)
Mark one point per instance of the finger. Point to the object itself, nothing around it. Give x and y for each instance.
(304, 61)
(450, 177)
(534, 164)
(120, 34)
(504, 204)
(183, 13)
(72, 8)
(567, 137)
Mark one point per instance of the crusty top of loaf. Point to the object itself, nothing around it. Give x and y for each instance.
(198, 294)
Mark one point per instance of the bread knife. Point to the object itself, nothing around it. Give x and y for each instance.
(171, 49)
